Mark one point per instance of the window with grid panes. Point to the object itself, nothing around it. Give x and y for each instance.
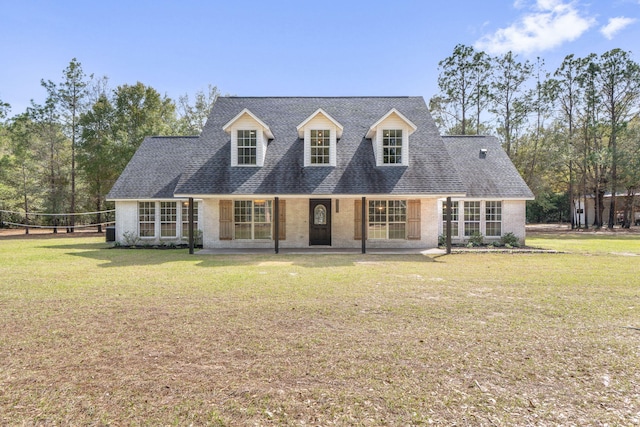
(454, 218)
(168, 219)
(471, 218)
(387, 219)
(147, 219)
(252, 219)
(320, 143)
(493, 218)
(247, 147)
(392, 146)
(185, 218)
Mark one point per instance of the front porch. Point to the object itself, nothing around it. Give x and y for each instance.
(321, 251)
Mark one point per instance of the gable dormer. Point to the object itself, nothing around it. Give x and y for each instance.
(249, 138)
(320, 133)
(390, 139)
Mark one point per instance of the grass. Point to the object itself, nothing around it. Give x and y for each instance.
(98, 336)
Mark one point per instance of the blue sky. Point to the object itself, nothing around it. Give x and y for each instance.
(290, 48)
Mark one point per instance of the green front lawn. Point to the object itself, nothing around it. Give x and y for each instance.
(92, 335)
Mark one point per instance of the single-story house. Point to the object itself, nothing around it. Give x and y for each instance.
(621, 200)
(297, 172)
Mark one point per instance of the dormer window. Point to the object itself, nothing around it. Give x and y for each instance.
(247, 148)
(320, 146)
(249, 139)
(390, 139)
(320, 133)
(392, 146)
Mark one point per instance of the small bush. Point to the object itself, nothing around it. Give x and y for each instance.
(130, 239)
(510, 240)
(442, 240)
(476, 239)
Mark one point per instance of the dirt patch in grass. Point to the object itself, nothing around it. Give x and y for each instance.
(45, 233)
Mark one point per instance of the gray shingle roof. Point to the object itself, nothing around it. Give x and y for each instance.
(154, 170)
(430, 169)
(490, 176)
(164, 166)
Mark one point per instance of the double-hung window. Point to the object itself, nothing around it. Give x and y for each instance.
(252, 219)
(247, 147)
(392, 146)
(168, 219)
(493, 218)
(387, 219)
(320, 146)
(185, 218)
(471, 218)
(147, 219)
(454, 218)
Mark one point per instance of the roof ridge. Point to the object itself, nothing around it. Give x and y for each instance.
(174, 136)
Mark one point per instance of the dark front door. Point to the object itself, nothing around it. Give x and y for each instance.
(320, 222)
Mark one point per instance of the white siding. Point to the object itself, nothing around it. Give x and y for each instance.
(320, 122)
(246, 122)
(392, 122)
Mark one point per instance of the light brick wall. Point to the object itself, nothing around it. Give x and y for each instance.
(126, 219)
(514, 214)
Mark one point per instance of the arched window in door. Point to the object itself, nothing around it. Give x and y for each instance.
(320, 215)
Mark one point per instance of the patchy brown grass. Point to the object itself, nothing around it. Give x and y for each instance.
(97, 336)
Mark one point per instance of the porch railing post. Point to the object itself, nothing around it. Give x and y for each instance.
(448, 225)
(191, 231)
(276, 227)
(364, 225)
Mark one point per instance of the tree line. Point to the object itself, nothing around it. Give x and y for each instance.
(572, 133)
(65, 154)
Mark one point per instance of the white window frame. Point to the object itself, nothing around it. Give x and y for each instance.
(147, 215)
(168, 220)
(258, 214)
(387, 137)
(383, 215)
(247, 143)
(472, 214)
(493, 217)
(320, 140)
(455, 218)
(184, 218)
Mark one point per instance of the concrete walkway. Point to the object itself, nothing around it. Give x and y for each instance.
(321, 251)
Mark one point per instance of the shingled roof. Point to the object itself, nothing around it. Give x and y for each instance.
(485, 169)
(430, 169)
(154, 170)
(165, 166)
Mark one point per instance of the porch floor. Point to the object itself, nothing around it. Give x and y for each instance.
(321, 251)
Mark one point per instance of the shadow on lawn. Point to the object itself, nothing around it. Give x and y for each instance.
(148, 257)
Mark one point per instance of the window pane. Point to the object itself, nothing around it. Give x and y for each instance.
(471, 218)
(319, 145)
(147, 219)
(247, 143)
(168, 218)
(185, 218)
(397, 231)
(387, 219)
(392, 146)
(243, 231)
(262, 231)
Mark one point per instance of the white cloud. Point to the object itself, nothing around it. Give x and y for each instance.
(615, 25)
(548, 24)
